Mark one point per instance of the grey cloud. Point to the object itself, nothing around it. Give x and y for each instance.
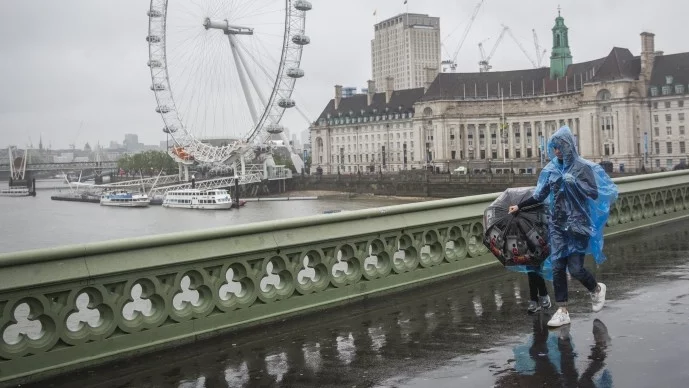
(64, 62)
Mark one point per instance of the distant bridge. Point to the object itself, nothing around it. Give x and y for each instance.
(64, 166)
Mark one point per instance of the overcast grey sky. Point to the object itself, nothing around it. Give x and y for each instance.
(72, 61)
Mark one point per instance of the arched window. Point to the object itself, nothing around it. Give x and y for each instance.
(604, 95)
(557, 40)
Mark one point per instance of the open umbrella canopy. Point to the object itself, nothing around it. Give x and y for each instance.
(519, 239)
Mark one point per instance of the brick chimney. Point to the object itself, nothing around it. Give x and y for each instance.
(389, 88)
(338, 96)
(371, 91)
(648, 55)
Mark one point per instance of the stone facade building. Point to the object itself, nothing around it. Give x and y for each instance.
(623, 109)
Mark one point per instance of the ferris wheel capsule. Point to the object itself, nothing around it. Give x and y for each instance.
(153, 39)
(157, 86)
(154, 13)
(295, 72)
(154, 63)
(301, 39)
(163, 109)
(286, 103)
(170, 129)
(302, 5)
(275, 129)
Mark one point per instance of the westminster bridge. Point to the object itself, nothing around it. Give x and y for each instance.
(326, 300)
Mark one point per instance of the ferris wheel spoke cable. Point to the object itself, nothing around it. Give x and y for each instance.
(193, 94)
(266, 73)
(191, 73)
(257, 10)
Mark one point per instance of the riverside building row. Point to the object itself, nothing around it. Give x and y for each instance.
(624, 109)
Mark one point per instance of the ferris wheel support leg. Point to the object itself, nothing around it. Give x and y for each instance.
(257, 88)
(242, 78)
(179, 175)
(241, 158)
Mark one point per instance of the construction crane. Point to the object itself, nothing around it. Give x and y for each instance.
(452, 62)
(540, 51)
(526, 53)
(484, 64)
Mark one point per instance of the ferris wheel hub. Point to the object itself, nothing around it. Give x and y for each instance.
(227, 27)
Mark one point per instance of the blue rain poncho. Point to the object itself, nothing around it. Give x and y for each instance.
(579, 194)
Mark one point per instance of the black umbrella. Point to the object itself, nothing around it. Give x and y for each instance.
(516, 239)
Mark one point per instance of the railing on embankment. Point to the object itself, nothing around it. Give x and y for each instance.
(250, 274)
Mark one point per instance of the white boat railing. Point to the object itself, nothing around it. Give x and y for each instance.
(217, 183)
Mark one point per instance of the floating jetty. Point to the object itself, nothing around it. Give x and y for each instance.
(81, 198)
(279, 199)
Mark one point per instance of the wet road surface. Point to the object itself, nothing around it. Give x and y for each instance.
(462, 332)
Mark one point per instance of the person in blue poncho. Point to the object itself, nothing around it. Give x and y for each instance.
(581, 194)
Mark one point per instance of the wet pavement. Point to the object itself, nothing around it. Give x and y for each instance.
(462, 332)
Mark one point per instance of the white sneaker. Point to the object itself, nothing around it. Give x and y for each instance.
(559, 318)
(598, 298)
(545, 302)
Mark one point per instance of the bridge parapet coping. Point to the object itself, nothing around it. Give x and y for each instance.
(76, 302)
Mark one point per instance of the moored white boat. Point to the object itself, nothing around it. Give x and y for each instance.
(16, 191)
(211, 199)
(124, 199)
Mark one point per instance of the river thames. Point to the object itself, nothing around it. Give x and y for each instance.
(32, 223)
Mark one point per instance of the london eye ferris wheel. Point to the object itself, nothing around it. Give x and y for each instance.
(224, 69)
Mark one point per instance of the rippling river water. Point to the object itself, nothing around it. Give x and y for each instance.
(30, 223)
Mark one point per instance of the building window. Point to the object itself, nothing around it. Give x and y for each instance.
(679, 89)
(655, 118)
(668, 130)
(682, 147)
(658, 163)
(668, 104)
(680, 116)
(669, 147)
(655, 105)
(668, 118)
(657, 131)
(666, 90)
(680, 104)
(668, 79)
(654, 91)
(657, 147)
(681, 129)
(669, 163)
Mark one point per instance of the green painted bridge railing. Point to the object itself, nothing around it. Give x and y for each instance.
(69, 307)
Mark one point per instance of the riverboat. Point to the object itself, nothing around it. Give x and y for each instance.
(211, 199)
(124, 199)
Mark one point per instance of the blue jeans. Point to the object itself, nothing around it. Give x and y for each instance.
(536, 283)
(575, 264)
